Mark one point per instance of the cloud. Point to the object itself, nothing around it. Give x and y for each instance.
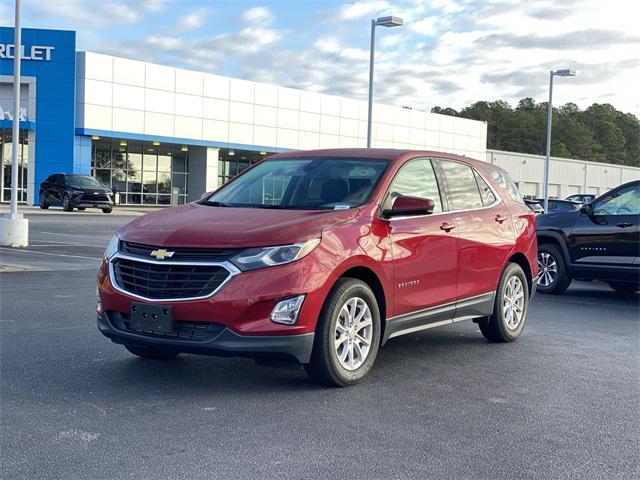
(192, 20)
(258, 16)
(578, 39)
(357, 10)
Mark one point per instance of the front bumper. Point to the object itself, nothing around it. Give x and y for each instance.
(224, 342)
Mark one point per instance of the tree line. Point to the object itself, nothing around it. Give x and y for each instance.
(599, 133)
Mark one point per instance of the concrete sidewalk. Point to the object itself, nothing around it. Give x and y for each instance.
(127, 211)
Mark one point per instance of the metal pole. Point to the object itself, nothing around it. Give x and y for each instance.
(17, 53)
(371, 55)
(546, 162)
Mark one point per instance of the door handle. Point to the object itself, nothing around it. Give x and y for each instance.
(447, 227)
(625, 224)
(500, 218)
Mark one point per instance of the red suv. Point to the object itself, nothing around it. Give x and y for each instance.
(321, 257)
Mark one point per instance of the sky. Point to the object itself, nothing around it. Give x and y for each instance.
(448, 53)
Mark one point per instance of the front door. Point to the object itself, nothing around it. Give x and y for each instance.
(424, 249)
(606, 238)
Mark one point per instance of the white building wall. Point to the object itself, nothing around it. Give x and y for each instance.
(121, 95)
(566, 176)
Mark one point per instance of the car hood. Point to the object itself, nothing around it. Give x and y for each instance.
(556, 220)
(196, 225)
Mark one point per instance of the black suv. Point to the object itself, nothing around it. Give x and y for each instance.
(75, 191)
(601, 241)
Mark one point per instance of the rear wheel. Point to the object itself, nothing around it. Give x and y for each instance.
(43, 201)
(625, 287)
(347, 336)
(510, 307)
(152, 352)
(66, 203)
(107, 210)
(80, 208)
(553, 275)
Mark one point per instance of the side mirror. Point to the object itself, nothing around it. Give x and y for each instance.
(409, 206)
(586, 209)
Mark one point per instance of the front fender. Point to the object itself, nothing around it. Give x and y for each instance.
(557, 238)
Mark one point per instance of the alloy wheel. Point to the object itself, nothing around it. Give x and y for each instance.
(548, 269)
(353, 333)
(513, 303)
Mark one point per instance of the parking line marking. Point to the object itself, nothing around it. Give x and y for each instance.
(78, 235)
(51, 254)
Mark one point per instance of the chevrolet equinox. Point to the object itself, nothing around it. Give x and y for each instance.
(320, 257)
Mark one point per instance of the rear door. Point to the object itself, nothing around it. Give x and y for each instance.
(485, 231)
(424, 249)
(606, 239)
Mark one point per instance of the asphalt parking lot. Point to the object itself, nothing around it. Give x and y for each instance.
(561, 402)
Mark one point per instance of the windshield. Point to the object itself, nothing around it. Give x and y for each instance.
(81, 181)
(306, 184)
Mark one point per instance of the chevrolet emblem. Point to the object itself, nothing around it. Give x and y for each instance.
(161, 254)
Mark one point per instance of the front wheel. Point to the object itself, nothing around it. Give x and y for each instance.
(553, 276)
(152, 352)
(43, 201)
(509, 307)
(66, 203)
(347, 336)
(106, 210)
(625, 287)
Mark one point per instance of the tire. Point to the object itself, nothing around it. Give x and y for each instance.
(326, 367)
(107, 210)
(66, 203)
(513, 291)
(625, 287)
(554, 277)
(152, 352)
(43, 201)
(81, 209)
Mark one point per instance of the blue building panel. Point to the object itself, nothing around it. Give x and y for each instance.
(54, 116)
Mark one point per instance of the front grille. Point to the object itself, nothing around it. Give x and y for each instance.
(196, 331)
(158, 282)
(94, 198)
(181, 253)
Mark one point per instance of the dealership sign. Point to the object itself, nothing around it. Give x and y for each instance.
(34, 52)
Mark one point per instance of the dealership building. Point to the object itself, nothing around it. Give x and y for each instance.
(148, 130)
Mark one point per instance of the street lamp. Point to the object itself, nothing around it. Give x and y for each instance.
(379, 22)
(563, 72)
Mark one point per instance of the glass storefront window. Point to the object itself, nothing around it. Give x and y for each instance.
(141, 172)
(6, 148)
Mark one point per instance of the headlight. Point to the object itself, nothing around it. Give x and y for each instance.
(253, 258)
(112, 247)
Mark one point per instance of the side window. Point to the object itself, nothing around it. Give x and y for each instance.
(622, 202)
(488, 198)
(462, 189)
(416, 178)
(57, 180)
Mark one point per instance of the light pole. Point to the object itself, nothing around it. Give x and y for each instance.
(379, 22)
(564, 72)
(14, 228)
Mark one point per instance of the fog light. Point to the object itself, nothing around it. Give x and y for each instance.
(287, 310)
(98, 302)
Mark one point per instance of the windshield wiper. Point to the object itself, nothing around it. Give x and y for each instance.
(215, 203)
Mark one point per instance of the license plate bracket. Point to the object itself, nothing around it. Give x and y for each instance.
(151, 318)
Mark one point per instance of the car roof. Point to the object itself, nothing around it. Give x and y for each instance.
(376, 154)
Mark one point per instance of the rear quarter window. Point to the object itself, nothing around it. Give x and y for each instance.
(505, 183)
